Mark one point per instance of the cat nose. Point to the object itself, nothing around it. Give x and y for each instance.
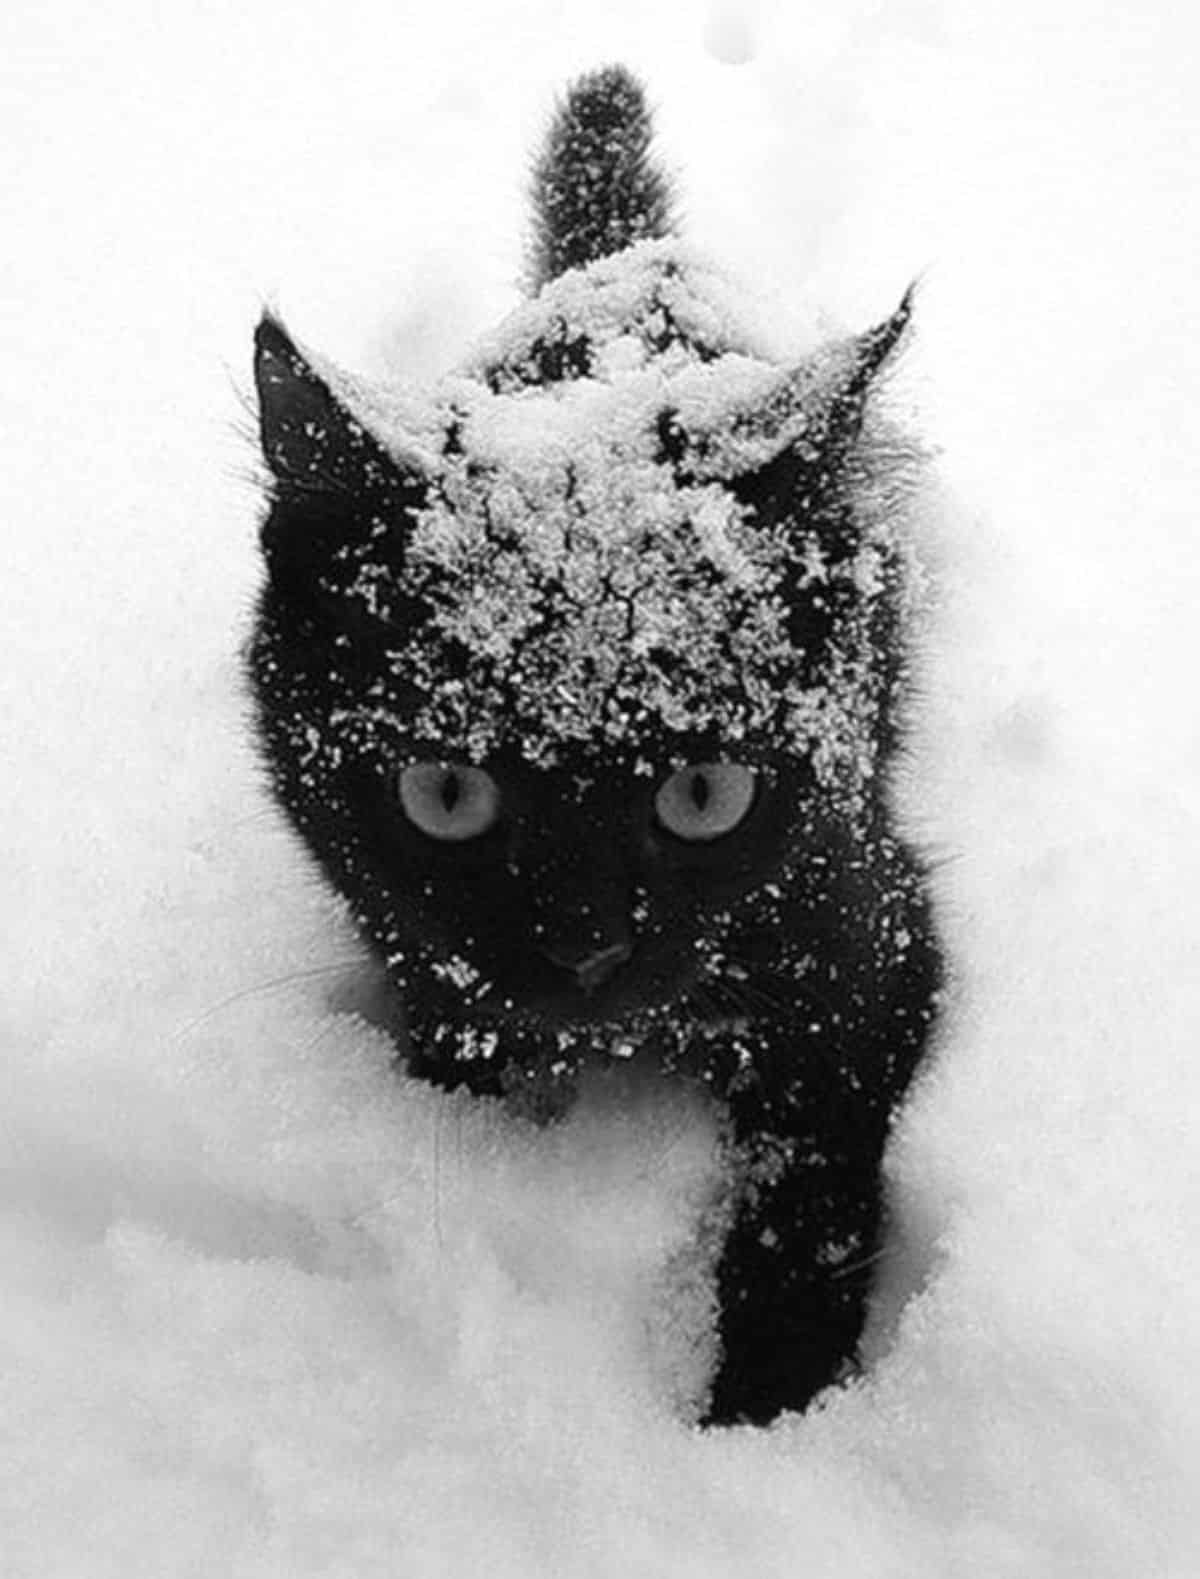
(590, 966)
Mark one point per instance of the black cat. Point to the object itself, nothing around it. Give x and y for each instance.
(584, 688)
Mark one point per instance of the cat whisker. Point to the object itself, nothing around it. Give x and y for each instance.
(706, 997)
(940, 860)
(861, 1264)
(760, 1002)
(266, 813)
(752, 995)
(785, 992)
(275, 984)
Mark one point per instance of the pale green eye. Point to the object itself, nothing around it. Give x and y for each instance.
(447, 800)
(705, 800)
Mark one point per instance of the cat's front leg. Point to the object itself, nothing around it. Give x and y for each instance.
(796, 1268)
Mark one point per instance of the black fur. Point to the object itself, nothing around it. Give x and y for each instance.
(789, 963)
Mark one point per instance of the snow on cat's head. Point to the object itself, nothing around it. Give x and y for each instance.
(617, 528)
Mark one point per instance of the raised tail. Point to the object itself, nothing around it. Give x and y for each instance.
(596, 189)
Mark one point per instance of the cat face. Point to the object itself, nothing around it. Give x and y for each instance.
(580, 899)
(574, 693)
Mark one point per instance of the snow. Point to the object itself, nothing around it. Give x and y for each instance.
(602, 579)
(270, 1310)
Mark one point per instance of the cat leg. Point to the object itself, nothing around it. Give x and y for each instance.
(795, 1271)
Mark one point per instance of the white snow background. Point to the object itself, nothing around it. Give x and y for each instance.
(268, 1310)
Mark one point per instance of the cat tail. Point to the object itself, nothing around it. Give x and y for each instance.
(595, 187)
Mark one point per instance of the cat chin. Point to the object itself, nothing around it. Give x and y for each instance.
(536, 1067)
(533, 1037)
(562, 1025)
(611, 1011)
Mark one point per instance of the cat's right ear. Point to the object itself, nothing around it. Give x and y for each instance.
(313, 447)
(337, 499)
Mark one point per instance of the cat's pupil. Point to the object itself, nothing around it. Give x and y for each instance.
(701, 791)
(451, 791)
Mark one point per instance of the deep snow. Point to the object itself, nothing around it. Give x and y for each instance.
(270, 1311)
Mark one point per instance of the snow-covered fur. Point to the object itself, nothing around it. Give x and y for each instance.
(582, 685)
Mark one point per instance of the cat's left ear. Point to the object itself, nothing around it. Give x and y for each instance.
(869, 354)
(835, 409)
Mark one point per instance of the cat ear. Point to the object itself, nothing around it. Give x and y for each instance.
(868, 355)
(340, 510)
(310, 442)
(835, 407)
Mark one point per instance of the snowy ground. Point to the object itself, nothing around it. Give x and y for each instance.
(270, 1312)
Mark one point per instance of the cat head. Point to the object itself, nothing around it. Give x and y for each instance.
(573, 679)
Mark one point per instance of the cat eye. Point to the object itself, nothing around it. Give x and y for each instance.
(449, 801)
(705, 800)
